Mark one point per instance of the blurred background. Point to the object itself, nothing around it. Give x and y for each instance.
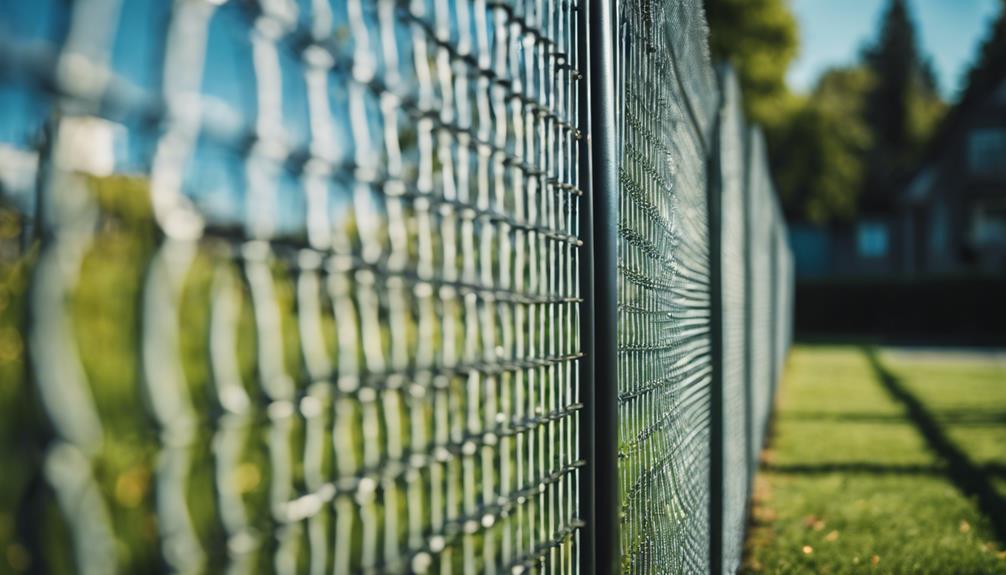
(886, 125)
(886, 121)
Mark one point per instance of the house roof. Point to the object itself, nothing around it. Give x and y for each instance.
(986, 85)
(921, 186)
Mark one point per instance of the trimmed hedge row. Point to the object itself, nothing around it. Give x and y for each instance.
(964, 309)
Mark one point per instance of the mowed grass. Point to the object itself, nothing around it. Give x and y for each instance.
(883, 462)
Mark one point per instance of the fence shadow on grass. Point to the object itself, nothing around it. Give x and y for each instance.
(971, 479)
(960, 417)
(869, 468)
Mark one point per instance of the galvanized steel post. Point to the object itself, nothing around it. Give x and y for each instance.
(604, 191)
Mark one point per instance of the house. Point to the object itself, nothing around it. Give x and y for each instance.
(867, 247)
(954, 210)
(951, 216)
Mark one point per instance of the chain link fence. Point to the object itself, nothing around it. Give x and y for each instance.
(302, 286)
(735, 415)
(754, 308)
(664, 361)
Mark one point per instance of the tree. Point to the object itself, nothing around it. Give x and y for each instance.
(850, 145)
(759, 39)
(818, 158)
(985, 76)
(990, 69)
(902, 109)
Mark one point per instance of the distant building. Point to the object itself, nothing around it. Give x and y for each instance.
(950, 218)
(954, 211)
(867, 247)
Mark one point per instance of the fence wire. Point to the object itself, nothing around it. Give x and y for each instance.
(735, 415)
(664, 363)
(784, 293)
(761, 245)
(306, 297)
(294, 286)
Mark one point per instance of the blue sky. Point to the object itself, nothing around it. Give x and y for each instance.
(832, 32)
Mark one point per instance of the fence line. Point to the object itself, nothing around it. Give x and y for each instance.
(381, 286)
(664, 344)
(733, 399)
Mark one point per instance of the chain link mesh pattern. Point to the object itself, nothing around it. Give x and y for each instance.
(761, 325)
(299, 286)
(732, 261)
(663, 288)
(306, 298)
(783, 276)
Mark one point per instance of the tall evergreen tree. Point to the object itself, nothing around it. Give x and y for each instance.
(987, 74)
(990, 68)
(849, 146)
(901, 110)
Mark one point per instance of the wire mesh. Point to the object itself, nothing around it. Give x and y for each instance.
(302, 284)
(733, 176)
(293, 286)
(663, 287)
(761, 245)
(783, 292)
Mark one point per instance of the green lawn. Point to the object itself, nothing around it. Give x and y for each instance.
(883, 461)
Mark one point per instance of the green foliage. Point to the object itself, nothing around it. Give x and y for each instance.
(20, 421)
(903, 108)
(817, 155)
(103, 305)
(850, 484)
(759, 39)
(851, 144)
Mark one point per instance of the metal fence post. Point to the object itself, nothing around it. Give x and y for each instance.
(774, 315)
(604, 192)
(716, 395)
(749, 415)
(587, 435)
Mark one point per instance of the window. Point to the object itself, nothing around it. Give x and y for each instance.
(986, 152)
(939, 229)
(989, 224)
(871, 238)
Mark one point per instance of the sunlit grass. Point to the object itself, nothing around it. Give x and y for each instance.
(851, 482)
